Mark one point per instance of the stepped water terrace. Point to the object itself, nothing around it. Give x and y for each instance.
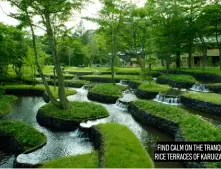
(75, 142)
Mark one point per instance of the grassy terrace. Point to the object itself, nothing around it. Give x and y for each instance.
(5, 106)
(25, 135)
(37, 87)
(108, 89)
(83, 82)
(207, 97)
(153, 87)
(119, 77)
(179, 78)
(79, 111)
(80, 161)
(121, 148)
(212, 70)
(192, 127)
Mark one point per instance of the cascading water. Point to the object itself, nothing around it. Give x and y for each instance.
(123, 83)
(199, 88)
(76, 142)
(167, 100)
(128, 96)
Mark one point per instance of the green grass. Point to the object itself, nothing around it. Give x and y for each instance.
(5, 106)
(192, 127)
(79, 111)
(153, 87)
(37, 87)
(79, 161)
(119, 77)
(83, 82)
(25, 135)
(121, 148)
(179, 78)
(208, 97)
(108, 89)
(215, 84)
(212, 70)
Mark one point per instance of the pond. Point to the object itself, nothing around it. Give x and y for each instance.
(61, 144)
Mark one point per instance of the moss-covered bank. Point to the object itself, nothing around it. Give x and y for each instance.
(105, 93)
(69, 119)
(5, 106)
(176, 121)
(179, 81)
(119, 147)
(19, 137)
(150, 90)
(80, 161)
(206, 102)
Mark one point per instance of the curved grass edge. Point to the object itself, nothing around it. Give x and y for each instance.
(5, 106)
(108, 89)
(53, 117)
(10, 132)
(212, 98)
(89, 160)
(117, 145)
(174, 128)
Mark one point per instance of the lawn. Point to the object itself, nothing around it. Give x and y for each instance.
(108, 89)
(207, 97)
(79, 111)
(119, 77)
(79, 161)
(179, 78)
(120, 148)
(5, 106)
(192, 127)
(25, 135)
(153, 87)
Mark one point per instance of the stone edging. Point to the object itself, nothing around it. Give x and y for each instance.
(142, 94)
(56, 123)
(174, 83)
(169, 127)
(18, 148)
(102, 98)
(133, 85)
(99, 79)
(24, 92)
(204, 106)
(214, 88)
(205, 77)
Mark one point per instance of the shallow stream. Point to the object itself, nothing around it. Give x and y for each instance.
(60, 144)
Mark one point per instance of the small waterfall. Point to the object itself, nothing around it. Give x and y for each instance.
(87, 87)
(128, 96)
(167, 100)
(123, 83)
(122, 105)
(199, 88)
(90, 123)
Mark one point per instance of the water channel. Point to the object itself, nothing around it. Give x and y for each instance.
(60, 144)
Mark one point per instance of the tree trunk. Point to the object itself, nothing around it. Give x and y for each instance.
(204, 57)
(178, 59)
(113, 54)
(64, 104)
(190, 56)
(220, 57)
(162, 62)
(50, 95)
